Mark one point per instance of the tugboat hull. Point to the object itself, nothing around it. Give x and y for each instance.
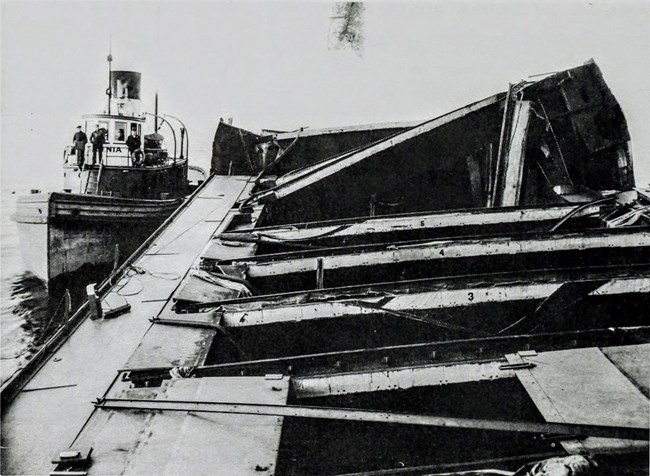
(61, 232)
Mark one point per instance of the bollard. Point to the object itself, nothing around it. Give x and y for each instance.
(94, 304)
(116, 257)
(67, 307)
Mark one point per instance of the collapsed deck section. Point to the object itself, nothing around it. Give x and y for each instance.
(375, 364)
(343, 317)
(563, 138)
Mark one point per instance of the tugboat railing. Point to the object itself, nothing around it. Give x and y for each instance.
(183, 132)
(168, 124)
(124, 160)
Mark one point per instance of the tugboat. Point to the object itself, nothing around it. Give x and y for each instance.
(114, 198)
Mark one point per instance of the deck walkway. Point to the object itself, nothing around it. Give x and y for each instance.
(52, 408)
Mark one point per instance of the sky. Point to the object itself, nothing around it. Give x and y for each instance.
(272, 65)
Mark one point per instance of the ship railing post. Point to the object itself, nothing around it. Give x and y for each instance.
(320, 274)
(116, 257)
(94, 303)
(183, 133)
(67, 307)
(373, 205)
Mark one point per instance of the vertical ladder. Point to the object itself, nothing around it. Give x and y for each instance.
(93, 180)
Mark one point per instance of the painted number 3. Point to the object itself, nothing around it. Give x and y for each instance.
(470, 296)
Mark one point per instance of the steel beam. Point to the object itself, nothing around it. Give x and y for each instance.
(437, 250)
(268, 311)
(293, 182)
(419, 222)
(387, 358)
(398, 379)
(371, 416)
(514, 159)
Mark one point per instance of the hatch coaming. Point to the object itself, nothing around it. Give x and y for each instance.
(300, 270)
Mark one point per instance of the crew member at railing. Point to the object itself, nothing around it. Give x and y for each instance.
(80, 140)
(133, 142)
(98, 137)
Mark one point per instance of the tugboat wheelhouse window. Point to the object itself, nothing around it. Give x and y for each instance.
(119, 135)
(90, 125)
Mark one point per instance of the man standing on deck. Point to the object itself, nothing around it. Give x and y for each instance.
(80, 140)
(98, 137)
(133, 143)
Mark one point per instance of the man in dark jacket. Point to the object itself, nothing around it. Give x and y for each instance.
(133, 142)
(98, 137)
(79, 141)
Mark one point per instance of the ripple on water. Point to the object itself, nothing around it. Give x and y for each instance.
(25, 312)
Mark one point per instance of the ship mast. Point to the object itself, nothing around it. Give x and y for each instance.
(109, 58)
